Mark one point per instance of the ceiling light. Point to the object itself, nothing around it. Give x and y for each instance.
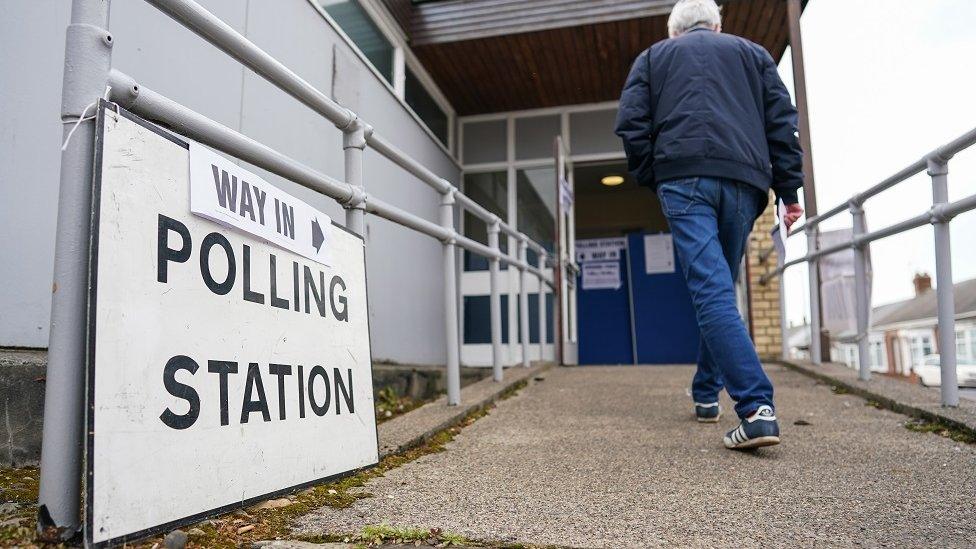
(612, 180)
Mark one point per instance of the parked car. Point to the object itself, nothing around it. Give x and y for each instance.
(930, 373)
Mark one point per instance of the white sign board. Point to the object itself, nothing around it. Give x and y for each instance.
(224, 192)
(599, 249)
(658, 253)
(601, 275)
(222, 369)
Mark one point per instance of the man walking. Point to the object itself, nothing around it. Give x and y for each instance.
(706, 121)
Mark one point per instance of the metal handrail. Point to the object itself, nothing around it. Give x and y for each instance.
(940, 155)
(151, 104)
(939, 216)
(211, 28)
(945, 212)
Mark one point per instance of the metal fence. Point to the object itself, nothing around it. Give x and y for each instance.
(936, 165)
(88, 76)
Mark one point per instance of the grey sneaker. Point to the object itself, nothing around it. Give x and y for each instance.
(708, 413)
(759, 429)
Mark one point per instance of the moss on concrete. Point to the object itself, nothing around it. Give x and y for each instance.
(941, 429)
(18, 504)
(19, 487)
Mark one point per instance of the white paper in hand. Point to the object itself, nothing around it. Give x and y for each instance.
(780, 232)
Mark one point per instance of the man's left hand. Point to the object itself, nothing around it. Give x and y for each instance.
(793, 212)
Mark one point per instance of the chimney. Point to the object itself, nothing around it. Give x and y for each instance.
(923, 283)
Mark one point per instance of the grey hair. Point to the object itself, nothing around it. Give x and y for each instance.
(688, 14)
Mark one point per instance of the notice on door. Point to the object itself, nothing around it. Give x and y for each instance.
(601, 275)
(658, 253)
(222, 368)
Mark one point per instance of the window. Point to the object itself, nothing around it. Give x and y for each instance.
(387, 52)
(534, 136)
(425, 106)
(363, 32)
(491, 191)
(966, 343)
(921, 347)
(877, 353)
(536, 206)
(485, 142)
(596, 132)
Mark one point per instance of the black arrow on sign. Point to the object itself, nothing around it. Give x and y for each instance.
(317, 237)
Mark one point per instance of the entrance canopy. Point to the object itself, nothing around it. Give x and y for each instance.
(508, 55)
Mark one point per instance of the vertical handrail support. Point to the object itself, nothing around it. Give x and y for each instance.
(816, 353)
(523, 255)
(354, 136)
(861, 297)
(495, 300)
(87, 62)
(938, 170)
(543, 320)
(453, 361)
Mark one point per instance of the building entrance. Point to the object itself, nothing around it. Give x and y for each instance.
(633, 306)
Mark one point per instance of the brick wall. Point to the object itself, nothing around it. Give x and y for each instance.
(764, 299)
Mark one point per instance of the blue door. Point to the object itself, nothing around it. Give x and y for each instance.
(603, 317)
(665, 328)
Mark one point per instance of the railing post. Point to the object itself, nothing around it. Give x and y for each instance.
(450, 303)
(495, 302)
(938, 169)
(784, 331)
(87, 61)
(861, 297)
(523, 251)
(354, 148)
(816, 353)
(542, 307)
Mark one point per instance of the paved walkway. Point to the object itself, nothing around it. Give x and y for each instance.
(611, 457)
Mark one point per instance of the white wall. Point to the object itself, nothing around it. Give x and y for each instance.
(404, 267)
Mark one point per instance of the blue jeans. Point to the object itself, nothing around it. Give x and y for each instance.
(710, 222)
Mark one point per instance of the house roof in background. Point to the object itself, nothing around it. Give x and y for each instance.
(504, 55)
(925, 306)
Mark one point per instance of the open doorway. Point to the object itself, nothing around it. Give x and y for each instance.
(633, 305)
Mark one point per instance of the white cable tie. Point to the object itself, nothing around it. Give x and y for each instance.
(83, 117)
(77, 123)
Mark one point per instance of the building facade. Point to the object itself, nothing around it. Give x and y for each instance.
(513, 102)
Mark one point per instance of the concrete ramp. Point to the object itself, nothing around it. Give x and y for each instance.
(612, 457)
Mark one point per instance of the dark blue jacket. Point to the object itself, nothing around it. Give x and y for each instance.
(708, 104)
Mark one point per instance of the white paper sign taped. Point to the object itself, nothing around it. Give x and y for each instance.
(601, 275)
(599, 249)
(226, 193)
(658, 253)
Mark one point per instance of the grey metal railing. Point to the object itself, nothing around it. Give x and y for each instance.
(936, 165)
(88, 76)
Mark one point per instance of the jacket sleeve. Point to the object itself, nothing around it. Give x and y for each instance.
(785, 153)
(634, 121)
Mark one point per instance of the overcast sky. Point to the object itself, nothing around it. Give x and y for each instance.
(888, 81)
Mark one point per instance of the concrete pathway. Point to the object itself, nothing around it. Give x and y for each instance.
(612, 457)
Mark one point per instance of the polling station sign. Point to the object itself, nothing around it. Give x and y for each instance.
(223, 367)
